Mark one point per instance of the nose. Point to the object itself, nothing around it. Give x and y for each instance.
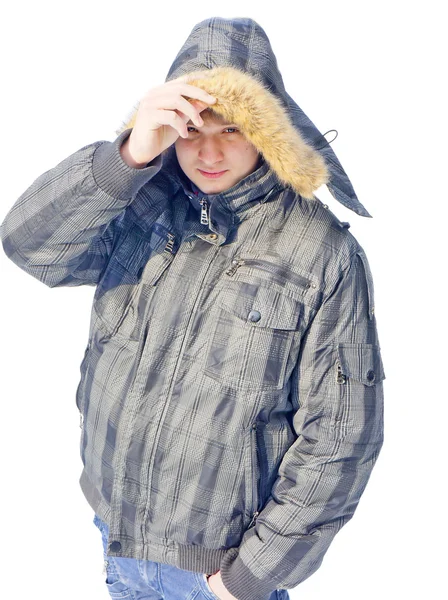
(210, 152)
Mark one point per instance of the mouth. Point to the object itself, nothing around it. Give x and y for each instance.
(210, 174)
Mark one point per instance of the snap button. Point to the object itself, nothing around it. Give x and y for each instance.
(115, 547)
(254, 316)
(371, 375)
(212, 236)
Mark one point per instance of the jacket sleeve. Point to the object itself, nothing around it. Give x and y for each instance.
(62, 228)
(337, 394)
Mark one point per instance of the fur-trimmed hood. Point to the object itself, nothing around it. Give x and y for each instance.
(232, 59)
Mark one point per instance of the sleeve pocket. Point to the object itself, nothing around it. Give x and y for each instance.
(361, 362)
(357, 415)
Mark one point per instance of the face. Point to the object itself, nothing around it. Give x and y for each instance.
(219, 148)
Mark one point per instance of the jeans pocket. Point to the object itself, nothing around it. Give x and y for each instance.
(116, 588)
(208, 592)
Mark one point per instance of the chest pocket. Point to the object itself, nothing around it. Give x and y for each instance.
(129, 281)
(252, 332)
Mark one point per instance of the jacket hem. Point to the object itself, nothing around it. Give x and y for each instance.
(183, 556)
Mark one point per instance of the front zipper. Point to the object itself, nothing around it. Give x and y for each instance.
(272, 268)
(173, 379)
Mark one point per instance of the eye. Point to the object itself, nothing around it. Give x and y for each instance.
(191, 129)
(231, 129)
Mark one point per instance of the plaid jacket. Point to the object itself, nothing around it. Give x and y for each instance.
(231, 395)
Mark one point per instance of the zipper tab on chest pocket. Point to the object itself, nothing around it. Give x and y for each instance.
(235, 264)
(279, 273)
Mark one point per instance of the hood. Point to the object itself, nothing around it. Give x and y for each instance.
(232, 59)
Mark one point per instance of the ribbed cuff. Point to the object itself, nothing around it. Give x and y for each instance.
(240, 581)
(114, 176)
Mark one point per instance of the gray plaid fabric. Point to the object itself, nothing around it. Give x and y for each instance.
(231, 391)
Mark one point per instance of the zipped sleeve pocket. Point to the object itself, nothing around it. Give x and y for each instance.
(358, 404)
(361, 362)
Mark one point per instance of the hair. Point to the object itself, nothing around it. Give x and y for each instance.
(208, 114)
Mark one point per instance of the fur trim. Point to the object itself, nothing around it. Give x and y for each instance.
(263, 120)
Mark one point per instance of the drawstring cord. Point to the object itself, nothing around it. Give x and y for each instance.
(327, 142)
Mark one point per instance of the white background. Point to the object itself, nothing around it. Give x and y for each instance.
(375, 72)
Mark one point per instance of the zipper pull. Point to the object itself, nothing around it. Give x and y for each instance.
(204, 211)
(170, 244)
(254, 518)
(236, 262)
(81, 421)
(341, 378)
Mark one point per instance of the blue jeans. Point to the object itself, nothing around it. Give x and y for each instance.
(133, 579)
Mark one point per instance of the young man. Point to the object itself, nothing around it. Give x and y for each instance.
(231, 393)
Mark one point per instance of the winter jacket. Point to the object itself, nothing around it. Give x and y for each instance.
(231, 393)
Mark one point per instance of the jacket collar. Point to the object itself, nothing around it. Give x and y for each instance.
(230, 207)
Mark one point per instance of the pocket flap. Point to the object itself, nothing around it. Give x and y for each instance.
(137, 247)
(362, 362)
(260, 306)
(133, 252)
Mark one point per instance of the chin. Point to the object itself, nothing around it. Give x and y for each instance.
(211, 187)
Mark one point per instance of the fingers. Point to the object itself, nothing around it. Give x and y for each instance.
(195, 92)
(189, 111)
(171, 95)
(171, 118)
(192, 91)
(162, 116)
